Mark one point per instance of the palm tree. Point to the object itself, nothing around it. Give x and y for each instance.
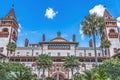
(43, 62)
(101, 74)
(89, 75)
(78, 76)
(11, 46)
(91, 26)
(105, 43)
(18, 71)
(71, 62)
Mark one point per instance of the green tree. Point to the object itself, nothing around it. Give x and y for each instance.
(111, 67)
(71, 62)
(11, 46)
(105, 43)
(43, 62)
(3, 74)
(50, 78)
(89, 75)
(78, 76)
(15, 71)
(91, 26)
(101, 74)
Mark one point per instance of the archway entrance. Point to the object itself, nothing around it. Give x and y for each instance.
(58, 76)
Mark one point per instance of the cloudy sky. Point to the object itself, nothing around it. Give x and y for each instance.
(37, 17)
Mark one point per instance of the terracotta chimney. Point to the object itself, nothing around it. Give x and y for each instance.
(26, 43)
(90, 43)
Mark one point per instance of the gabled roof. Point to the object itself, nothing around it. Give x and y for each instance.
(59, 39)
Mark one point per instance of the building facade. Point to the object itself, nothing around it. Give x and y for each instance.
(57, 48)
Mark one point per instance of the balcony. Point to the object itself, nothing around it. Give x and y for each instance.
(113, 35)
(4, 34)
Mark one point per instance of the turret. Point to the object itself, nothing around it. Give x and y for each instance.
(8, 30)
(26, 42)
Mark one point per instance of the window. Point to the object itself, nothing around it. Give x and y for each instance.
(68, 54)
(27, 54)
(37, 53)
(58, 53)
(5, 30)
(98, 54)
(1, 49)
(80, 54)
(14, 33)
(18, 52)
(89, 54)
(49, 53)
(112, 30)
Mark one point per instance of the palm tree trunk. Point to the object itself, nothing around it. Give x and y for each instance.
(94, 40)
(72, 74)
(103, 52)
(10, 52)
(39, 73)
(106, 52)
(43, 74)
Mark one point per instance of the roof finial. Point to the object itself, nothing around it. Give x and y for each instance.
(12, 5)
(59, 33)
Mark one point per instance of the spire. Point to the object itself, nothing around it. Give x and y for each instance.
(59, 34)
(11, 13)
(106, 13)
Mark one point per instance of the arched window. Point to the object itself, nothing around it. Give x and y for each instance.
(112, 31)
(14, 32)
(5, 30)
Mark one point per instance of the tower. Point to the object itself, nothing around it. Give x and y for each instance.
(111, 33)
(8, 30)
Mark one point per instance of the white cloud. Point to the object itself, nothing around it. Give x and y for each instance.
(50, 13)
(98, 9)
(81, 33)
(20, 27)
(118, 21)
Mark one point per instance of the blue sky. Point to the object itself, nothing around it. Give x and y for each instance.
(36, 17)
